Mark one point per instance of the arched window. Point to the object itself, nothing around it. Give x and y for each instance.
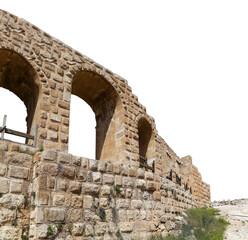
(12, 106)
(19, 77)
(82, 128)
(146, 143)
(104, 101)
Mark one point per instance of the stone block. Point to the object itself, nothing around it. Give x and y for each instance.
(8, 200)
(64, 158)
(42, 198)
(141, 183)
(75, 187)
(93, 164)
(4, 185)
(3, 146)
(10, 233)
(41, 231)
(55, 118)
(7, 216)
(61, 200)
(82, 174)
(148, 175)
(151, 186)
(3, 169)
(136, 204)
(74, 215)
(88, 201)
(126, 227)
(78, 229)
(76, 201)
(91, 189)
(61, 185)
(140, 173)
(122, 215)
(68, 172)
(122, 203)
(55, 214)
(18, 172)
(132, 172)
(96, 177)
(103, 202)
(49, 154)
(16, 186)
(102, 167)
(128, 181)
(89, 231)
(118, 180)
(108, 179)
(105, 191)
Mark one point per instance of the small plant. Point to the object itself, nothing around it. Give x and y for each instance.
(102, 214)
(25, 151)
(11, 207)
(33, 194)
(14, 223)
(117, 189)
(18, 207)
(69, 228)
(41, 149)
(1, 194)
(59, 227)
(50, 230)
(118, 234)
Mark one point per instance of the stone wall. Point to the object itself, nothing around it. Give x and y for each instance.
(52, 194)
(43, 72)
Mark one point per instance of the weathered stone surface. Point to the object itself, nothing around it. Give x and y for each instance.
(75, 187)
(96, 177)
(10, 233)
(49, 154)
(16, 186)
(122, 203)
(55, 214)
(4, 185)
(108, 179)
(91, 189)
(18, 172)
(136, 204)
(126, 227)
(88, 201)
(42, 231)
(78, 229)
(128, 181)
(64, 158)
(74, 215)
(3, 169)
(7, 215)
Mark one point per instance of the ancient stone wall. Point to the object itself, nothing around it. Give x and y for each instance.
(43, 72)
(53, 194)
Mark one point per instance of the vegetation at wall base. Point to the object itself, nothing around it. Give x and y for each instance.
(202, 224)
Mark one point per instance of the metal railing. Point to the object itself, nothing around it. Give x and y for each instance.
(143, 163)
(4, 130)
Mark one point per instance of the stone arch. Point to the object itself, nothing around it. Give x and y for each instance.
(106, 103)
(146, 139)
(18, 76)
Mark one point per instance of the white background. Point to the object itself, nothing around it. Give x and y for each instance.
(185, 60)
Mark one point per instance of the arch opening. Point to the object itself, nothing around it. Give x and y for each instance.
(104, 101)
(146, 143)
(19, 77)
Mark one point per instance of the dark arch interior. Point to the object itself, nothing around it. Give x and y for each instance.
(103, 99)
(18, 76)
(145, 133)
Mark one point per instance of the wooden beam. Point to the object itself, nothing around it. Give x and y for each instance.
(19, 134)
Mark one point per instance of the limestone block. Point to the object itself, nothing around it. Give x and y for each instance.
(105, 191)
(132, 172)
(136, 204)
(42, 198)
(103, 202)
(48, 168)
(148, 175)
(82, 174)
(102, 167)
(140, 173)
(49, 154)
(68, 172)
(61, 200)
(88, 201)
(76, 201)
(156, 196)
(55, 118)
(141, 183)
(126, 226)
(16, 186)
(64, 158)
(118, 180)
(3, 146)
(122, 203)
(149, 204)
(61, 185)
(84, 162)
(39, 215)
(143, 215)
(7, 215)
(4, 185)
(53, 135)
(18, 172)
(74, 215)
(96, 177)
(91, 189)
(3, 169)
(128, 181)
(169, 225)
(89, 230)
(151, 186)
(93, 164)
(41, 231)
(10, 233)
(55, 214)
(108, 179)
(130, 215)
(116, 169)
(75, 187)
(122, 215)
(109, 167)
(78, 229)
(11, 200)
(76, 161)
